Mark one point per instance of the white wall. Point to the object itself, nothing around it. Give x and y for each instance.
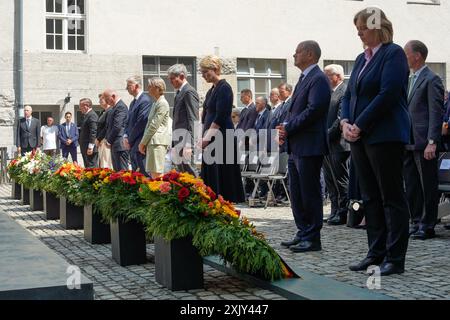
(7, 115)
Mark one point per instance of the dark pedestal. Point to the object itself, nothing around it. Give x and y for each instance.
(36, 200)
(178, 264)
(71, 216)
(95, 231)
(25, 195)
(51, 206)
(128, 242)
(16, 190)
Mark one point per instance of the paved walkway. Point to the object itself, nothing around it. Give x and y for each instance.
(426, 276)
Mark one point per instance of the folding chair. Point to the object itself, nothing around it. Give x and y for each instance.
(268, 167)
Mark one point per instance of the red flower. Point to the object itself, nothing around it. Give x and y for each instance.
(211, 193)
(183, 194)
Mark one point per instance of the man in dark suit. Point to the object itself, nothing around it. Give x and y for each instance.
(336, 164)
(248, 114)
(88, 134)
(425, 105)
(185, 115)
(68, 137)
(28, 132)
(305, 132)
(117, 121)
(137, 120)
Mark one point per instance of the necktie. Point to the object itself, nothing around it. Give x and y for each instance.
(68, 129)
(257, 120)
(28, 123)
(412, 80)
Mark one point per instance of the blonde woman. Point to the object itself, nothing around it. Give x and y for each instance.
(158, 132)
(223, 177)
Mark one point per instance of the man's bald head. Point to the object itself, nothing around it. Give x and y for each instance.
(111, 97)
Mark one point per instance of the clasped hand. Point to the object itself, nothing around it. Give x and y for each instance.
(351, 132)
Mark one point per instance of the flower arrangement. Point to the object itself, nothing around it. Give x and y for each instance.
(118, 195)
(180, 205)
(177, 205)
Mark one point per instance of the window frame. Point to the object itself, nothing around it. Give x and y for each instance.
(252, 75)
(65, 16)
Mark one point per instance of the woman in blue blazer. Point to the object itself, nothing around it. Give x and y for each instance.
(375, 120)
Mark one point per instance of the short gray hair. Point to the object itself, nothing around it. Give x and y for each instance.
(87, 100)
(158, 83)
(177, 70)
(135, 80)
(313, 47)
(336, 69)
(285, 85)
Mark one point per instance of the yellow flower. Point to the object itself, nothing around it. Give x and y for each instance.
(106, 180)
(89, 175)
(154, 185)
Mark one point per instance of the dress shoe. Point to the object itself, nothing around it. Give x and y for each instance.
(413, 229)
(447, 227)
(367, 262)
(337, 220)
(293, 242)
(306, 246)
(424, 234)
(332, 216)
(388, 268)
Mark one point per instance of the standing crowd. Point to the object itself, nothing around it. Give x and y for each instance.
(375, 139)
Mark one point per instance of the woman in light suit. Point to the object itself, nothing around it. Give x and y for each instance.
(158, 132)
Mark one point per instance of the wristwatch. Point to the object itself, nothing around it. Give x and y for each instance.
(431, 141)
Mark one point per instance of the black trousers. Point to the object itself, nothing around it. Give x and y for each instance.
(120, 160)
(335, 169)
(72, 150)
(421, 181)
(380, 174)
(306, 196)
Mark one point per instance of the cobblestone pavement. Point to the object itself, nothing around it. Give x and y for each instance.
(426, 276)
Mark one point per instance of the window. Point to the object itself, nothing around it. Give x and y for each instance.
(158, 66)
(65, 25)
(346, 64)
(42, 116)
(259, 75)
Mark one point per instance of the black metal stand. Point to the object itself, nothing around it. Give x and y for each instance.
(178, 264)
(71, 216)
(25, 195)
(51, 206)
(16, 190)
(128, 243)
(95, 231)
(36, 200)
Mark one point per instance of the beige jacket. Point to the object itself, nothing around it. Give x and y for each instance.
(159, 125)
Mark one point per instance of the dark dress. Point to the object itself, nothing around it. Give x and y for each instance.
(224, 178)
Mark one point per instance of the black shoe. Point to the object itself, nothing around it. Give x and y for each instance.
(337, 220)
(424, 234)
(293, 242)
(332, 215)
(367, 262)
(306, 246)
(388, 268)
(413, 229)
(447, 227)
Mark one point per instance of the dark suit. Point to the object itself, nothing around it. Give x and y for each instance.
(28, 135)
(117, 121)
(425, 104)
(376, 102)
(185, 115)
(102, 123)
(137, 120)
(88, 134)
(335, 166)
(261, 127)
(247, 118)
(63, 136)
(278, 117)
(307, 144)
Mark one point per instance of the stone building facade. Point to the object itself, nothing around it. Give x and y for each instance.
(80, 47)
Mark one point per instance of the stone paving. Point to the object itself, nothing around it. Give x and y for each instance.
(426, 276)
